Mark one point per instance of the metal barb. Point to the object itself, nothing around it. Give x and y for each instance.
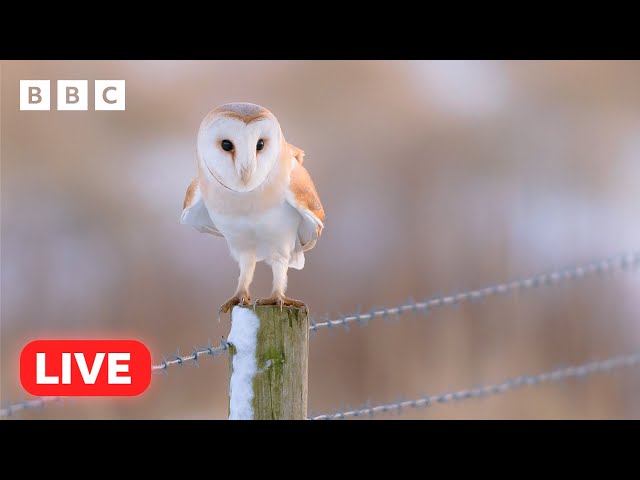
(195, 354)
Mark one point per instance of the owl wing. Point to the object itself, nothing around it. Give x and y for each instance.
(297, 153)
(302, 195)
(195, 212)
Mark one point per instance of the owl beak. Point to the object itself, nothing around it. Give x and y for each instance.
(246, 169)
(245, 174)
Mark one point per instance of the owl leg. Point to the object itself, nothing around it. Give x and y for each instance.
(278, 297)
(241, 297)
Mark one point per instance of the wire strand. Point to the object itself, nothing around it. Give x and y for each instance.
(36, 403)
(557, 375)
(624, 262)
(178, 360)
(173, 361)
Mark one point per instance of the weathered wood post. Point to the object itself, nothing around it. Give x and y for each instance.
(269, 363)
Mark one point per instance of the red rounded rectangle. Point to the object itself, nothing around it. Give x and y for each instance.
(85, 368)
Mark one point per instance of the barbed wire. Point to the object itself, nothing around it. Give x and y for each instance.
(172, 360)
(624, 262)
(36, 403)
(557, 375)
(178, 360)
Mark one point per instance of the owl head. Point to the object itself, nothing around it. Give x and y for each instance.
(238, 145)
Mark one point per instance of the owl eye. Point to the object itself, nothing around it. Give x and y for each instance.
(260, 144)
(226, 145)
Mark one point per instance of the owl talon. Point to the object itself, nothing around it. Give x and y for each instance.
(238, 299)
(281, 301)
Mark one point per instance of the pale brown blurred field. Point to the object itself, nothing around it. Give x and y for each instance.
(436, 177)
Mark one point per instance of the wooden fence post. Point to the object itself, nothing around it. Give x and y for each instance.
(282, 358)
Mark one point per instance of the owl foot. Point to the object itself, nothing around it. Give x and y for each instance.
(281, 301)
(240, 298)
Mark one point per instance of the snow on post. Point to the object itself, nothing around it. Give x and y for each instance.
(269, 363)
(243, 335)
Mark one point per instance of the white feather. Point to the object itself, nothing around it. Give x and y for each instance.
(197, 215)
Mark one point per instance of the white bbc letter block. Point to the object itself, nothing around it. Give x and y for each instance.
(73, 95)
(109, 94)
(35, 95)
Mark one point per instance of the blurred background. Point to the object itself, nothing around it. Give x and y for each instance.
(436, 177)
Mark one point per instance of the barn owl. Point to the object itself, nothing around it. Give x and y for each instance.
(252, 189)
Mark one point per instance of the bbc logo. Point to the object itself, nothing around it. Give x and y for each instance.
(72, 95)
